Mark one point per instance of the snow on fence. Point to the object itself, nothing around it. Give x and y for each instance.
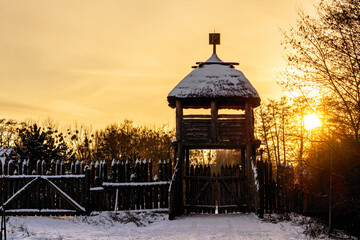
(135, 189)
(94, 187)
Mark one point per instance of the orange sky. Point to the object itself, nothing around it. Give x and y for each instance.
(98, 62)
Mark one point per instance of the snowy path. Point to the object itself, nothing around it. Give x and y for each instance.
(153, 226)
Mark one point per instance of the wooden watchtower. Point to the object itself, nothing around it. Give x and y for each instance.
(214, 85)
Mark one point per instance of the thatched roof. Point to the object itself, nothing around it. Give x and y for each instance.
(214, 80)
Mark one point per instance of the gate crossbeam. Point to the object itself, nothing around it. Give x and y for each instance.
(201, 191)
(20, 192)
(44, 179)
(71, 201)
(235, 196)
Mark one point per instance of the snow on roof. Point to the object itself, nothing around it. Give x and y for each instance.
(214, 59)
(214, 79)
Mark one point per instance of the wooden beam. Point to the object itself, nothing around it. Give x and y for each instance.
(248, 122)
(197, 116)
(187, 172)
(179, 119)
(214, 117)
(20, 192)
(248, 168)
(243, 159)
(234, 195)
(193, 201)
(66, 197)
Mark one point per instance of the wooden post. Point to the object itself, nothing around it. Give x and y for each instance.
(243, 159)
(77, 167)
(120, 169)
(87, 190)
(179, 154)
(97, 174)
(165, 171)
(52, 166)
(271, 190)
(3, 225)
(38, 166)
(113, 171)
(187, 169)
(150, 171)
(43, 167)
(170, 169)
(62, 168)
(248, 168)
(145, 171)
(261, 175)
(160, 172)
(72, 167)
(127, 171)
(82, 167)
(57, 168)
(214, 116)
(179, 119)
(179, 182)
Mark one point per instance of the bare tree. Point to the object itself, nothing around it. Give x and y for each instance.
(325, 57)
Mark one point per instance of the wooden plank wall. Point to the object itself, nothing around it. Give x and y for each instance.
(133, 189)
(229, 127)
(136, 186)
(279, 191)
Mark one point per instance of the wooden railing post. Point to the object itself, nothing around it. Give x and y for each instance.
(3, 224)
(97, 175)
(214, 117)
(72, 167)
(113, 171)
(43, 168)
(104, 171)
(179, 120)
(62, 168)
(170, 169)
(77, 167)
(87, 198)
(150, 170)
(1, 169)
(37, 166)
(261, 170)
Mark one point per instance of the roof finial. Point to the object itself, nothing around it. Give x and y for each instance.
(214, 39)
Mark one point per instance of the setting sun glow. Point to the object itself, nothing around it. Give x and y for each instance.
(311, 121)
(100, 62)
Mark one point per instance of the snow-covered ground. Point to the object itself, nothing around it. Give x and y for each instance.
(127, 225)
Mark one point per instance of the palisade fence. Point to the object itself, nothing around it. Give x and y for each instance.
(76, 188)
(280, 192)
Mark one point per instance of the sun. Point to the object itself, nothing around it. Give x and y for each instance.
(311, 121)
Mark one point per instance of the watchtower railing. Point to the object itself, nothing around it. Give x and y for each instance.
(204, 128)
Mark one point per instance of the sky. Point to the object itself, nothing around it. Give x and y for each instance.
(97, 62)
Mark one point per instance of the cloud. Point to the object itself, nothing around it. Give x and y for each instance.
(73, 109)
(123, 74)
(16, 106)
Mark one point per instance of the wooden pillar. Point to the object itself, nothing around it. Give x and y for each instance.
(243, 159)
(248, 168)
(249, 177)
(179, 155)
(214, 117)
(187, 173)
(179, 120)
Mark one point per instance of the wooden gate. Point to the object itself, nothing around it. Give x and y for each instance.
(44, 195)
(209, 192)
